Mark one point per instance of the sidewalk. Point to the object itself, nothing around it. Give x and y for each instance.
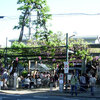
(54, 92)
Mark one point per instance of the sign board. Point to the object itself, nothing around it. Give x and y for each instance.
(66, 67)
(60, 81)
(15, 74)
(61, 77)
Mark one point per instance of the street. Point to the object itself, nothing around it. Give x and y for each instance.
(4, 96)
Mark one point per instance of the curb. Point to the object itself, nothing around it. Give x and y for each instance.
(46, 93)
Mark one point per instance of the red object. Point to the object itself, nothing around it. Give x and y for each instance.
(57, 65)
(39, 57)
(16, 58)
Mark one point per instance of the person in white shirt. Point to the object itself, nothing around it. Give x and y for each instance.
(39, 82)
(82, 82)
(5, 79)
(92, 83)
(27, 82)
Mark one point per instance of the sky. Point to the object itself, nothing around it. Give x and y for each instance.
(69, 16)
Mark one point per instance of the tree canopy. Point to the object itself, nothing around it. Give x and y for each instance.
(39, 24)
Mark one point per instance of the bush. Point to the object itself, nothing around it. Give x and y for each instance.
(24, 73)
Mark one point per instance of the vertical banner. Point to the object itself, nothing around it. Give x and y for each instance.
(61, 76)
(61, 82)
(66, 67)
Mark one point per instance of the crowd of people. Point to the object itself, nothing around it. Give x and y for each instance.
(46, 79)
(38, 79)
(83, 82)
(35, 80)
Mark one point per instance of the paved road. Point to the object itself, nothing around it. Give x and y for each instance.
(4, 96)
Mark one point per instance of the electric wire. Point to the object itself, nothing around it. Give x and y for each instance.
(58, 14)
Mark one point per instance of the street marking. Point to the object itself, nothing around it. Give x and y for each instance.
(40, 97)
(2, 98)
(69, 99)
(12, 94)
(27, 99)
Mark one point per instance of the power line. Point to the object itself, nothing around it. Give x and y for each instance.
(76, 14)
(58, 14)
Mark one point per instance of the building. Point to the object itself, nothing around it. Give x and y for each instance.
(24, 39)
(90, 39)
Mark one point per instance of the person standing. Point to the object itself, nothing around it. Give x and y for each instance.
(92, 83)
(82, 82)
(5, 79)
(55, 80)
(74, 81)
(51, 82)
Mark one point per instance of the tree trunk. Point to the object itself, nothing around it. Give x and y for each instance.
(23, 24)
(21, 34)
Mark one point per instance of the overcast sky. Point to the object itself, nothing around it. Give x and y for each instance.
(81, 16)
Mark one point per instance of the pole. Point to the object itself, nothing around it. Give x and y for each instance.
(6, 50)
(6, 55)
(66, 56)
(15, 80)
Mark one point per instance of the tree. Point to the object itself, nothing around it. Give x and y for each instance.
(80, 48)
(56, 39)
(40, 23)
(18, 45)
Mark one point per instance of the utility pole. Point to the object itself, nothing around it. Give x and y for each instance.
(67, 63)
(66, 56)
(6, 55)
(6, 50)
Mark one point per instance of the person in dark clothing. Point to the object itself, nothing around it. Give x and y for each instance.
(87, 81)
(55, 80)
(51, 82)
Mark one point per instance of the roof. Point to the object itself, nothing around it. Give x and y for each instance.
(25, 38)
(85, 37)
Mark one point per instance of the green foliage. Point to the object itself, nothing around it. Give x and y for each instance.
(89, 58)
(94, 50)
(40, 23)
(80, 47)
(47, 48)
(71, 64)
(24, 73)
(56, 39)
(18, 45)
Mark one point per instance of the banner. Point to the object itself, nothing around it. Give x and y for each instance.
(66, 67)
